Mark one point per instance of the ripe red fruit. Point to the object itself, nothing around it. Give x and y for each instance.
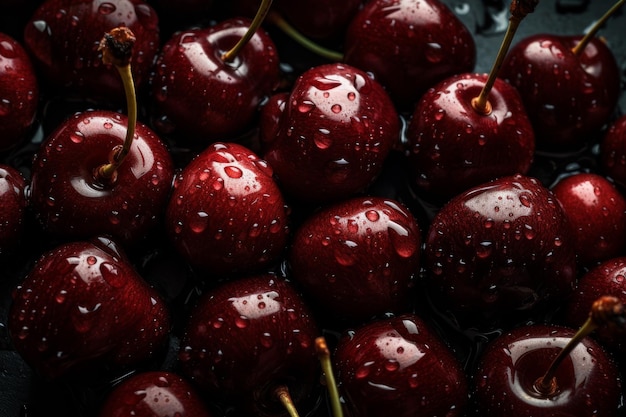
(399, 367)
(596, 210)
(319, 19)
(246, 338)
(83, 308)
(19, 93)
(71, 201)
(588, 381)
(409, 46)
(12, 208)
(154, 394)
(358, 258)
(62, 36)
(226, 214)
(613, 151)
(198, 98)
(500, 252)
(333, 135)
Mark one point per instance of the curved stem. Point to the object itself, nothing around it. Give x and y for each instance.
(580, 46)
(307, 43)
(324, 356)
(283, 396)
(264, 8)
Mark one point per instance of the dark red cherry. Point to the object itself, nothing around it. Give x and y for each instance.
(596, 210)
(500, 252)
(358, 258)
(12, 208)
(613, 151)
(399, 367)
(248, 337)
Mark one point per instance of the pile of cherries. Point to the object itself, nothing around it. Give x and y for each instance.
(199, 219)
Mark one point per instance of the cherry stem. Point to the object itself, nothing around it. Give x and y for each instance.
(606, 310)
(116, 47)
(264, 8)
(519, 9)
(580, 46)
(324, 357)
(307, 43)
(282, 392)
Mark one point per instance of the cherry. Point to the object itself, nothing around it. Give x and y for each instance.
(154, 394)
(12, 208)
(248, 338)
(409, 45)
(358, 258)
(596, 210)
(82, 308)
(101, 172)
(333, 135)
(569, 85)
(226, 214)
(19, 93)
(613, 151)
(399, 366)
(547, 370)
(62, 37)
(500, 252)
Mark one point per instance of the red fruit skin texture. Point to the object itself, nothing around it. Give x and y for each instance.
(500, 252)
(198, 98)
(13, 205)
(409, 46)
(453, 147)
(399, 367)
(71, 202)
(82, 309)
(63, 37)
(19, 93)
(226, 214)
(568, 98)
(588, 380)
(596, 210)
(336, 130)
(358, 258)
(613, 151)
(154, 394)
(245, 338)
(607, 278)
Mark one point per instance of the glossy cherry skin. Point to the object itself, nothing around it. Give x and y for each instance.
(607, 278)
(453, 147)
(13, 206)
(596, 210)
(19, 93)
(154, 394)
(334, 133)
(226, 214)
(568, 98)
(409, 46)
(319, 19)
(63, 36)
(613, 151)
(501, 252)
(245, 338)
(358, 258)
(82, 308)
(198, 97)
(399, 367)
(588, 380)
(71, 201)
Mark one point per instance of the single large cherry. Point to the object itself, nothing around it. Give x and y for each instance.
(13, 205)
(399, 367)
(409, 46)
(83, 308)
(334, 133)
(358, 258)
(248, 338)
(501, 251)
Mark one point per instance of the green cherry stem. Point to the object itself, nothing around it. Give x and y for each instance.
(116, 47)
(264, 8)
(323, 355)
(305, 42)
(283, 396)
(519, 9)
(580, 46)
(606, 310)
